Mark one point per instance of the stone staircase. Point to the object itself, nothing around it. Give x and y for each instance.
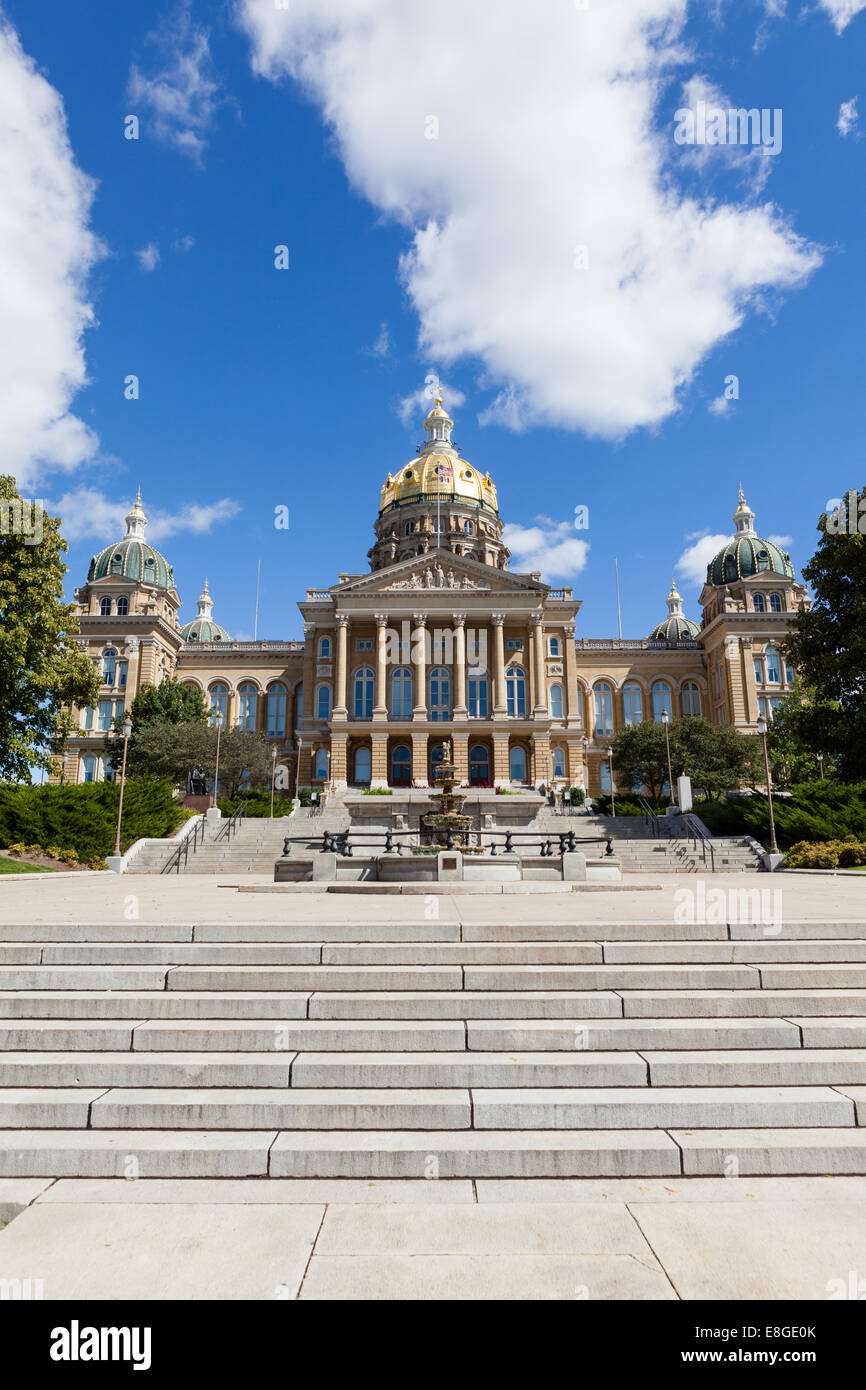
(254, 846)
(432, 1049)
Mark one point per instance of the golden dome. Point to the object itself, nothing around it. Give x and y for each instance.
(439, 471)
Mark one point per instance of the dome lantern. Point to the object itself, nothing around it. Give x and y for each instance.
(747, 554)
(203, 628)
(676, 627)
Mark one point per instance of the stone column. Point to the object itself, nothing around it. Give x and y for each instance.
(501, 766)
(530, 665)
(419, 760)
(379, 760)
(460, 746)
(541, 759)
(500, 704)
(419, 659)
(339, 773)
(460, 708)
(572, 711)
(380, 709)
(540, 672)
(341, 695)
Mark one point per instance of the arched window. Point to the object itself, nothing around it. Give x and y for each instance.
(517, 765)
(321, 769)
(759, 670)
(247, 700)
(122, 606)
(323, 702)
(409, 529)
(364, 694)
(363, 765)
(553, 646)
(775, 603)
(661, 694)
(89, 769)
(324, 649)
(632, 702)
(515, 692)
(477, 695)
(440, 694)
(109, 665)
(604, 775)
(277, 699)
(299, 703)
(556, 702)
(105, 607)
(468, 528)
(691, 696)
(479, 765)
(219, 700)
(603, 708)
(401, 766)
(580, 704)
(401, 693)
(758, 603)
(773, 672)
(558, 762)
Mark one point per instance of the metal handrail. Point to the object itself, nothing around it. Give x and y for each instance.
(183, 849)
(231, 825)
(341, 841)
(698, 836)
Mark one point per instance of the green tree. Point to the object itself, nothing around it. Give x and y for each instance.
(716, 759)
(171, 702)
(804, 724)
(41, 669)
(639, 756)
(165, 751)
(245, 762)
(827, 644)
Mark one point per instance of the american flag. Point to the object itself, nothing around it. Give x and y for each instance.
(445, 472)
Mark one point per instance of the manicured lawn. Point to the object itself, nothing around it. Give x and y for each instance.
(21, 866)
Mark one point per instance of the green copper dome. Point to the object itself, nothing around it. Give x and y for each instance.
(133, 558)
(203, 628)
(747, 554)
(677, 629)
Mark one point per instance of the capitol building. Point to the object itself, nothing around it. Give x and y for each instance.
(439, 638)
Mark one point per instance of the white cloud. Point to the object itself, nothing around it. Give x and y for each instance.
(382, 345)
(841, 12)
(88, 512)
(848, 117)
(418, 404)
(183, 244)
(753, 163)
(720, 405)
(551, 136)
(781, 541)
(692, 564)
(148, 256)
(548, 546)
(46, 252)
(180, 92)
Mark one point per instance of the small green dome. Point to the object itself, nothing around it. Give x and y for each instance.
(132, 559)
(676, 629)
(204, 630)
(747, 555)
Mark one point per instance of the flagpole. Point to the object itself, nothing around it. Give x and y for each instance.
(618, 607)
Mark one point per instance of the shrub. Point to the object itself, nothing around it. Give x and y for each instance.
(258, 805)
(378, 791)
(626, 805)
(813, 812)
(578, 795)
(83, 818)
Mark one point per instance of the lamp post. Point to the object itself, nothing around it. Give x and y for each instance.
(127, 730)
(585, 742)
(273, 777)
(820, 757)
(298, 774)
(218, 722)
(612, 788)
(666, 719)
(762, 730)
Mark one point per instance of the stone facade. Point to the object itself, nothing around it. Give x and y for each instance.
(439, 639)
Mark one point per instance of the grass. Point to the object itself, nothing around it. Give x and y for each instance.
(21, 866)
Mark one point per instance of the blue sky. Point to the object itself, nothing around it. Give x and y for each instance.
(262, 388)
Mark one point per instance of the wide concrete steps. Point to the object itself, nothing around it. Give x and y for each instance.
(433, 1049)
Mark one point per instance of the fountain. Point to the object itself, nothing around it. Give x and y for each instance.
(448, 822)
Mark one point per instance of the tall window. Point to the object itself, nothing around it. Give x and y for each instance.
(759, 604)
(773, 672)
(468, 528)
(299, 703)
(759, 671)
(580, 704)
(277, 698)
(409, 528)
(603, 708)
(517, 765)
(401, 693)
(558, 762)
(691, 696)
(321, 769)
(109, 666)
(89, 768)
(122, 672)
(661, 693)
(604, 776)
(401, 766)
(775, 603)
(789, 673)
(440, 694)
(122, 606)
(219, 701)
(477, 697)
(247, 699)
(103, 715)
(363, 765)
(515, 692)
(479, 765)
(553, 646)
(364, 694)
(105, 607)
(324, 649)
(323, 702)
(632, 702)
(556, 702)
(87, 721)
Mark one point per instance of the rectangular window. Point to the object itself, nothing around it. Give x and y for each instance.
(103, 721)
(759, 671)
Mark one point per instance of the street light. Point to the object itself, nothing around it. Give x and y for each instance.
(612, 790)
(762, 730)
(298, 774)
(218, 722)
(127, 730)
(820, 757)
(666, 719)
(585, 742)
(273, 777)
